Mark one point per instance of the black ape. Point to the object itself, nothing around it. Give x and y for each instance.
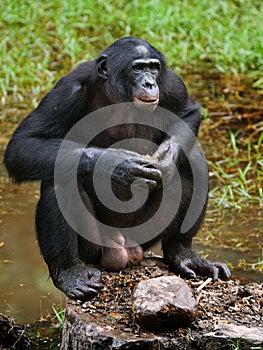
(130, 70)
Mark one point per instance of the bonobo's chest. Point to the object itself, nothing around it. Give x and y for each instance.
(139, 138)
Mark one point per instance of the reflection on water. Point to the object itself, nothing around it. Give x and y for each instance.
(235, 238)
(25, 290)
(27, 294)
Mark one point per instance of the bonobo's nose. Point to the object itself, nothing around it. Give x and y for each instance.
(149, 82)
(149, 85)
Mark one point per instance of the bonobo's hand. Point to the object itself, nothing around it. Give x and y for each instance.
(78, 282)
(186, 262)
(132, 166)
(167, 155)
(123, 166)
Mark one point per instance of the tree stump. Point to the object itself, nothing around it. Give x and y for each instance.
(228, 314)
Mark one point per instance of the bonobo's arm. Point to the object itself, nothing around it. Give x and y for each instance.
(183, 131)
(174, 151)
(32, 151)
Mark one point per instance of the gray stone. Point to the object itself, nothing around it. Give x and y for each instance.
(229, 334)
(163, 303)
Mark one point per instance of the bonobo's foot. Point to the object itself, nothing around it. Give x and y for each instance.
(78, 282)
(186, 262)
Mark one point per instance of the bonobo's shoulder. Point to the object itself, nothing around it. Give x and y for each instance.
(174, 96)
(172, 82)
(83, 72)
(175, 81)
(173, 93)
(85, 68)
(171, 75)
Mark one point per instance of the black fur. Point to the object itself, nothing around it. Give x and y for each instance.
(32, 151)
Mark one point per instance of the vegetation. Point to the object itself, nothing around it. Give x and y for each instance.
(239, 175)
(41, 39)
(59, 316)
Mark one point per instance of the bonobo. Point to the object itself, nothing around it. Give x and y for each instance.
(129, 71)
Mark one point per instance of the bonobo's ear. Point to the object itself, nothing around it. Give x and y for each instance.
(102, 66)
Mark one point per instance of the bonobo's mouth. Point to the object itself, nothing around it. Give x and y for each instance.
(149, 101)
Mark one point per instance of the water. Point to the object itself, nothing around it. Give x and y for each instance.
(26, 292)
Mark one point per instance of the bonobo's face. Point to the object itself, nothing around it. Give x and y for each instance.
(143, 75)
(131, 72)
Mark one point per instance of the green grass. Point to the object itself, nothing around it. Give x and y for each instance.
(239, 175)
(41, 40)
(59, 316)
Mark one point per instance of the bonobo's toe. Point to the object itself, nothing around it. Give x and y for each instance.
(187, 263)
(224, 272)
(79, 282)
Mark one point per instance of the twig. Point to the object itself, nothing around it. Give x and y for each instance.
(206, 282)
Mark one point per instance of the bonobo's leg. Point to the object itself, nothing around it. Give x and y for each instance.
(176, 245)
(59, 247)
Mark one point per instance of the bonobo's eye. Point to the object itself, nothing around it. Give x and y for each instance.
(155, 67)
(137, 67)
(151, 65)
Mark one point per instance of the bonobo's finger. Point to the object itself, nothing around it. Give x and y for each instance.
(93, 274)
(152, 184)
(182, 269)
(145, 172)
(95, 285)
(82, 293)
(187, 273)
(215, 273)
(161, 151)
(225, 274)
(146, 161)
(205, 267)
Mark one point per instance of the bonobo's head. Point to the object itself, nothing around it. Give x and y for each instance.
(131, 69)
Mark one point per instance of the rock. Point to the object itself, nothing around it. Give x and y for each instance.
(163, 303)
(227, 335)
